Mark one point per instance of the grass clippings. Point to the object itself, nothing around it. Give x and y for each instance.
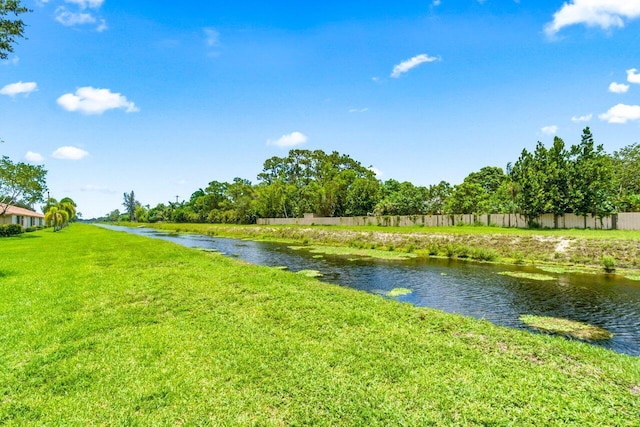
(396, 292)
(309, 273)
(571, 328)
(524, 275)
(351, 252)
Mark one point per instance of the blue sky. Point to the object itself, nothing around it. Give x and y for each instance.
(162, 97)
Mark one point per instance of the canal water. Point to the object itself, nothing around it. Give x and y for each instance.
(466, 288)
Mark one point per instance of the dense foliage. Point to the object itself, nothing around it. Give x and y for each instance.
(8, 230)
(59, 214)
(21, 184)
(581, 179)
(10, 26)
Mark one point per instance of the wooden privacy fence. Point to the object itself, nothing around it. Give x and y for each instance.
(621, 221)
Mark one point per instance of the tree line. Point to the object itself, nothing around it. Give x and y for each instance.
(582, 179)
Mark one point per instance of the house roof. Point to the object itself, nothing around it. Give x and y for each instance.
(14, 210)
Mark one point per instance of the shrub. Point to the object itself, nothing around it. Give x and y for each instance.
(8, 230)
(463, 251)
(30, 229)
(433, 249)
(608, 263)
(450, 250)
(518, 257)
(483, 254)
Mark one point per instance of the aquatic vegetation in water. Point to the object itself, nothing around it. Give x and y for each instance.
(351, 251)
(631, 277)
(310, 273)
(523, 275)
(566, 327)
(557, 270)
(396, 292)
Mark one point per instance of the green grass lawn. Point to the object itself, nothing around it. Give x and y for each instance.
(105, 328)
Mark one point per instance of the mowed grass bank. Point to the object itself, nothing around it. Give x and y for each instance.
(101, 327)
(583, 249)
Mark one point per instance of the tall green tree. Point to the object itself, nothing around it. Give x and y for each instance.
(437, 197)
(20, 182)
(467, 198)
(11, 27)
(626, 170)
(528, 176)
(490, 178)
(241, 202)
(479, 193)
(592, 185)
(314, 181)
(130, 204)
(401, 198)
(557, 179)
(113, 216)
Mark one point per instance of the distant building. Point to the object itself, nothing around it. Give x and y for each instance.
(24, 217)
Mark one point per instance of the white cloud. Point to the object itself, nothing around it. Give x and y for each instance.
(14, 89)
(69, 153)
(289, 140)
(89, 100)
(580, 119)
(82, 15)
(621, 113)
(407, 65)
(358, 110)
(436, 3)
(212, 37)
(633, 76)
(69, 19)
(102, 26)
(550, 130)
(618, 87)
(12, 61)
(593, 13)
(84, 4)
(33, 157)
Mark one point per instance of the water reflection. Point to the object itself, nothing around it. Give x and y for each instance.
(457, 287)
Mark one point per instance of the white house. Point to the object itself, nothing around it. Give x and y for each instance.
(24, 217)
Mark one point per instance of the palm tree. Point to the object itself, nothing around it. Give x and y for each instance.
(56, 217)
(69, 207)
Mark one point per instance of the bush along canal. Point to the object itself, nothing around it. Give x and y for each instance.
(504, 295)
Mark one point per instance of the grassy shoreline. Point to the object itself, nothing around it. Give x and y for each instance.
(564, 250)
(100, 327)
